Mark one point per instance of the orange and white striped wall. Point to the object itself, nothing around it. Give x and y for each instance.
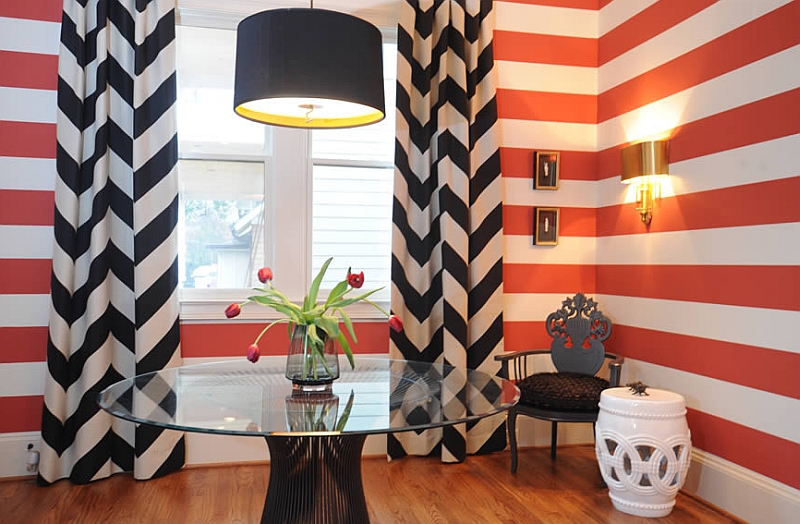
(703, 301)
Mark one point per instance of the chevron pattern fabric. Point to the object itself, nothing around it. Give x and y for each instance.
(447, 246)
(114, 305)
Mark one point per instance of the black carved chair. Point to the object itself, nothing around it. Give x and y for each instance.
(572, 393)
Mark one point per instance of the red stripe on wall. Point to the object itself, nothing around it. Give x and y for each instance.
(518, 336)
(647, 24)
(771, 202)
(545, 49)
(548, 278)
(231, 339)
(21, 413)
(574, 165)
(543, 106)
(773, 287)
(22, 207)
(25, 276)
(46, 10)
(23, 344)
(574, 4)
(761, 452)
(776, 371)
(760, 121)
(763, 120)
(575, 221)
(28, 70)
(27, 139)
(765, 36)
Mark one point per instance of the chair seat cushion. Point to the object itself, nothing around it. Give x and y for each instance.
(562, 391)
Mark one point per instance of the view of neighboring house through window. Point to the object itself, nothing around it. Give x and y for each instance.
(253, 195)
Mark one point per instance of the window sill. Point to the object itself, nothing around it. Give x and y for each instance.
(198, 310)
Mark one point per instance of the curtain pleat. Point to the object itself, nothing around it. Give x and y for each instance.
(447, 245)
(114, 304)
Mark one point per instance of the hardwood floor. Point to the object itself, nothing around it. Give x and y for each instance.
(413, 490)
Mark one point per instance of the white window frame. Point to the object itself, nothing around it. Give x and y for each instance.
(287, 243)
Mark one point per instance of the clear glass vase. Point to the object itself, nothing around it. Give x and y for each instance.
(311, 369)
(312, 411)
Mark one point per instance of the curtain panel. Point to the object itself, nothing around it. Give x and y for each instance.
(447, 245)
(114, 304)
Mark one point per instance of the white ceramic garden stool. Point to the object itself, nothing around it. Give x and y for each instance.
(643, 447)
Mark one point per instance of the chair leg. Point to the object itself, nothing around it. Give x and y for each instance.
(512, 438)
(553, 439)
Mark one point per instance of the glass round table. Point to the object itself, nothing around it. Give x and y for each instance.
(314, 439)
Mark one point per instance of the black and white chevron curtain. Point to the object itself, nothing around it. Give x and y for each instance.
(447, 245)
(114, 310)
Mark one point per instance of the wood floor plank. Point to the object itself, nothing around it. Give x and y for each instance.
(413, 490)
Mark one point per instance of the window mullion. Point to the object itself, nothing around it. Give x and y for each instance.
(290, 181)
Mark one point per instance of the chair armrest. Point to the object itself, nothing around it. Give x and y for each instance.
(615, 369)
(519, 361)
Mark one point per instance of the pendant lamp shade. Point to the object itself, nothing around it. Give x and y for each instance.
(309, 68)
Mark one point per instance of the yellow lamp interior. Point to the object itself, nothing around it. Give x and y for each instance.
(309, 112)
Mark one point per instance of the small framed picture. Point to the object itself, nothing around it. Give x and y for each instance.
(546, 169)
(545, 226)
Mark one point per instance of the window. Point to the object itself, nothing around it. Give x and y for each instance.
(254, 195)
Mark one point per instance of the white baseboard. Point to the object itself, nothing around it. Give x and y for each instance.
(14, 453)
(205, 449)
(741, 492)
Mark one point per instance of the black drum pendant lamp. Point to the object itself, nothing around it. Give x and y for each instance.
(308, 68)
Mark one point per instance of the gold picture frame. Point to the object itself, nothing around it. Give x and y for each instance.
(546, 223)
(546, 169)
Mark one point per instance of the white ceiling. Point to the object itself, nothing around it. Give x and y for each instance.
(228, 13)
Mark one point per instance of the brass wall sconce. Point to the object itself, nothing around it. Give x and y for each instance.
(644, 164)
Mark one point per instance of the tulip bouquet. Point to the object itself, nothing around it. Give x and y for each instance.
(321, 320)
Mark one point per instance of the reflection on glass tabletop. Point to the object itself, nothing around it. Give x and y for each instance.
(240, 398)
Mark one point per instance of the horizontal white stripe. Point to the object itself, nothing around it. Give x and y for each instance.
(740, 404)
(549, 78)
(28, 105)
(532, 307)
(705, 26)
(768, 328)
(26, 242)
(24, 310)
(571, 193)
(546, 20)
(750, 245)
(22, 379)
(29, 36)
(761, 162)
(38, 174)
(519, 249)
(761, 79)
(558, 136)
(619, 11)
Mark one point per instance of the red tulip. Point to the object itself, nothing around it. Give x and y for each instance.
(253, 353)
(395, 323)
(233, 310)
(265, 275)
(356, 280)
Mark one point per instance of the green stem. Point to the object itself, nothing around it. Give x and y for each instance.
(269, 326)
(368, 301)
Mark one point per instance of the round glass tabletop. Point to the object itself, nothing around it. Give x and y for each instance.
(240, 398)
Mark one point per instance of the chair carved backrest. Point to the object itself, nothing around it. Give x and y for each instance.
(578, 330)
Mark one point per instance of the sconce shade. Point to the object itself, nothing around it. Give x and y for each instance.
(308, 68)
(645, 159)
